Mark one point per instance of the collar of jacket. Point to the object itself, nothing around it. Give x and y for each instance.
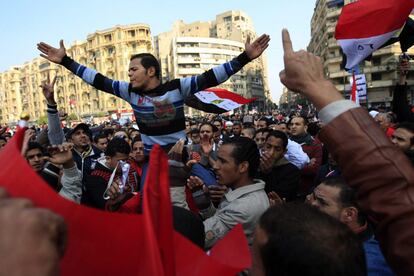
(302, 139)
(235, 194)
(85, 153)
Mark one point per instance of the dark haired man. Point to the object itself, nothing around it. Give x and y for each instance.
(281, 176)
(297, 239)
(97, 182)
(311, 146)
(335, 198)
(403, 138)
(100, 141)
(236, 167)
(84, 153)
(158, 108)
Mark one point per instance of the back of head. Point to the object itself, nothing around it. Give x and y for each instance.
(301, 240)
(117, 145)
(245, 149)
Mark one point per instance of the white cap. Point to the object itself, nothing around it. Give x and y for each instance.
(373, 113)
(228, 124)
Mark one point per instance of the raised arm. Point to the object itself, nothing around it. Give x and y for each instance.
(223, 72)
(54, 132)
(58, 55)
(379, 171)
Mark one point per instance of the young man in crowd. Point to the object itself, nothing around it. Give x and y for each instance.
(280, 176)
(335, 198)
(236, 167)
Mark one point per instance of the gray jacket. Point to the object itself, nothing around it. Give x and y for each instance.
(71, 184)
(244, 205)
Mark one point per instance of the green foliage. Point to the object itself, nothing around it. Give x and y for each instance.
(42, 120)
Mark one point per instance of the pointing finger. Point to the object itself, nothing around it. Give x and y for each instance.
(287, 43)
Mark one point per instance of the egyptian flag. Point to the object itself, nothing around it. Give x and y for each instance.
(366, 25)
(216, 100)
(103, 243)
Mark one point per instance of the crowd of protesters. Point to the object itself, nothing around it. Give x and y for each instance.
(311, 201)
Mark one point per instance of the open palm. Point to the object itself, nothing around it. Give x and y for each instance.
(51, 53)
(255, 49)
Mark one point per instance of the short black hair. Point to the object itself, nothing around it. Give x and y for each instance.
(147, 61)
(313, 129)
(409, 127)
(99, 136)
(305, 120)
(265, 120)
(117, 145)
(263, 131)
(281, 135)
(34, 145)
(347, 196)
(3, 138)
(301, 240)
(237, 123)
(245, 149)
(213, 127)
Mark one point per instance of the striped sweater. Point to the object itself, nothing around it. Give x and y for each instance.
(160, 118)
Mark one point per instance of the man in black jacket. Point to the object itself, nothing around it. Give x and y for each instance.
(280, 175)
(97, 182)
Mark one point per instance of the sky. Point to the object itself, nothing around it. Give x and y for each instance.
(24, 23)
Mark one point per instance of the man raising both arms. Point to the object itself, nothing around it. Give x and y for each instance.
(158, 107)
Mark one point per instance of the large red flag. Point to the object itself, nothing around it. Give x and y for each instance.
(102, 243)
(157, 214)
(366, 25)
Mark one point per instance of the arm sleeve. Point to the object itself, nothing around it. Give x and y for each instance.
(214, 76)
(120, 89)
(217, 226)
(296, 155)
(383, 178)
(400, 105)
(54, 132)
(71, 184)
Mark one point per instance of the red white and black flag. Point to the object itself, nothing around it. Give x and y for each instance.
(366, 25)
(216, 100)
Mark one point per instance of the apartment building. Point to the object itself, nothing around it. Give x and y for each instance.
(108, 51)
(380, 72)
(189, 49)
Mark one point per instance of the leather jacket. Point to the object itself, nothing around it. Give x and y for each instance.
(384, 179)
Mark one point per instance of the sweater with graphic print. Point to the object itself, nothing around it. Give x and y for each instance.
(160, 118)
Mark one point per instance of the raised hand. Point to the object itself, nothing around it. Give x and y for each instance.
(304, 74)
(266, 162)
(61, 154)
(48, 90)
(255, 49)
(50, 53)
(274, 199)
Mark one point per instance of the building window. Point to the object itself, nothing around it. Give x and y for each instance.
(227, 19)
(376, 61)
(237, 18)
(110, 50)
(108, 38)
(131, 33)
(376, 77)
